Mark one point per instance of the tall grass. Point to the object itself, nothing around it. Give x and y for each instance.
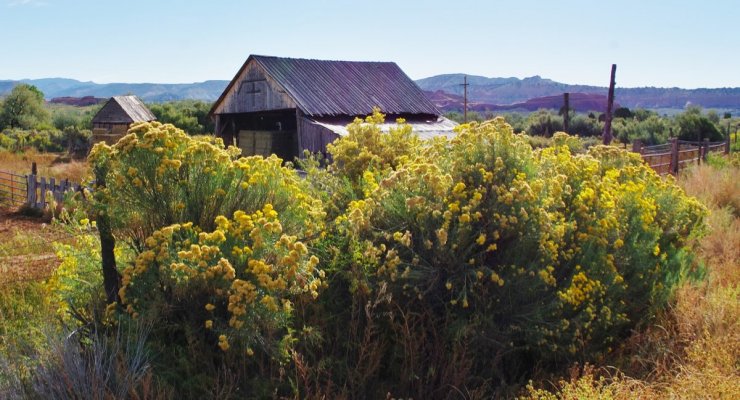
(102, 366)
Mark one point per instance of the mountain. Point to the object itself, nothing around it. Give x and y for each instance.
(445, 90)
(150, 92)
(512, 91)
(581, 102)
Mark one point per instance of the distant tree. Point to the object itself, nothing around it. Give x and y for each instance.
(727, 115)
(188, 115)
(713, 116)
(692, 125)
(642, 114)
(24, 108)
(623, 112)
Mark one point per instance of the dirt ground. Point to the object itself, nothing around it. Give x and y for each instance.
(26, 251)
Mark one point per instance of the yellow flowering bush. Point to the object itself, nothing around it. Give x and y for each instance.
(158, 175)
(239, 281)
(220, 242)
(366, 148)
(541, 252)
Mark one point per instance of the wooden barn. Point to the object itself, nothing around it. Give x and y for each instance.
(285, 105)
(116, 116)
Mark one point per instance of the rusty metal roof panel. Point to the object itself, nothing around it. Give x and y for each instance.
(328, 88)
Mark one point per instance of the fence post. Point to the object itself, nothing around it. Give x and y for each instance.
(674, 156)
(31, 190)
(727, 142)
(42, 189)
(637, 146)
(705, 145)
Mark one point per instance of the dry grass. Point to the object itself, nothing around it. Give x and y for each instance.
(693, 349)
(717, 188)
(51, 165)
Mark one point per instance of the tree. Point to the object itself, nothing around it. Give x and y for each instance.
(623, 112)
(692, 125)
(23, 108)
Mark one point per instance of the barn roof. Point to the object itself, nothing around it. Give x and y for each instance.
(124, 109)
(332, 88)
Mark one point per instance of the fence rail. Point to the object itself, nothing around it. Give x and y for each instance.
(13, 189)
(671, 157)
(17, 190)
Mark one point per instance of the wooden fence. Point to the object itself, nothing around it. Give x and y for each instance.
(672, 157)
(31, 190)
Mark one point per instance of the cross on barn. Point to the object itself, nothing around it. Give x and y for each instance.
(284, 106)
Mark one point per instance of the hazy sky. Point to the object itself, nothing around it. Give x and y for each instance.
(654, 43)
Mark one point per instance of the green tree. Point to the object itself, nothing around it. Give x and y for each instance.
(23, 108)
(693, 125)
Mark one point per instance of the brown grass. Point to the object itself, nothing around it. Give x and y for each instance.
(717, 188)
(50, 165)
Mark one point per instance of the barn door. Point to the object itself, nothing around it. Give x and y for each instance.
(255, 143)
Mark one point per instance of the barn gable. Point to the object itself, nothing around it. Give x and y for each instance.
(252, 90)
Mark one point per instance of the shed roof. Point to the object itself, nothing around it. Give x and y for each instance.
(426, 128)
(124, 109)
(332, 88)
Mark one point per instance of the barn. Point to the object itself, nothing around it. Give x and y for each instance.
(284, 106)
(116, 116)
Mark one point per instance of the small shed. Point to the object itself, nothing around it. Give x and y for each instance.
(116, 116)
(284, 106)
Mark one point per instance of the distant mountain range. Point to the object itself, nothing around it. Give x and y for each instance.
(509, 91)
(445, 90)
(150, 92)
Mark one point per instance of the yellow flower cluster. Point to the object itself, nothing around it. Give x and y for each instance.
(246, 264)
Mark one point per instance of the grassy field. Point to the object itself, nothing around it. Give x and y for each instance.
(51, 165)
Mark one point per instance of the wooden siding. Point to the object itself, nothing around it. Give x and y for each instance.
(313, 137)
(254, 91)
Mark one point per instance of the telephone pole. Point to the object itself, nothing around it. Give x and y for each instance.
(465, 99)
(607, 136)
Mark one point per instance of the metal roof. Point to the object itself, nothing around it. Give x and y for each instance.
(332, 88)
(425, 128)
(124, 109)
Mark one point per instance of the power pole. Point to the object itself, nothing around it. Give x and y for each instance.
(566, 111)
(465, 99)
(607, 138)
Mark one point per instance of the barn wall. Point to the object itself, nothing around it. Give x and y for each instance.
(313, 137)
(254, 91)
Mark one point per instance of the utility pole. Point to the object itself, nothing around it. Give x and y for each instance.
(566, 111)
(607, 137)
(465, 99)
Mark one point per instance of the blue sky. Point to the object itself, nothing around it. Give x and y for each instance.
(654, 43)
